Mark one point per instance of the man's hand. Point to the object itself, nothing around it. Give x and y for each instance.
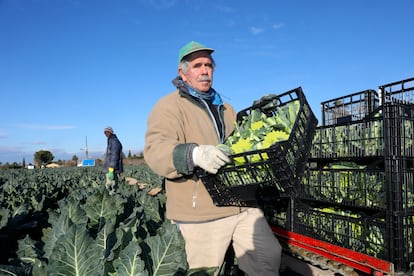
(110, 173)
(267, 102)
(209, 158)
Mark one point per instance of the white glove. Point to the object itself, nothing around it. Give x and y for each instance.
(209, 158)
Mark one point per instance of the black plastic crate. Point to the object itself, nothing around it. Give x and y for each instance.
(399, 129)
(387, 185)
(279, 168)
(389, 131)
(349, 108)
(383, 235)
(345, 228)
(403, 253)
(399, 185)
(349, 185)
(359, 139)
(397, 92)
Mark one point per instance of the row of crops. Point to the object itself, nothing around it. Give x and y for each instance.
(64, 222)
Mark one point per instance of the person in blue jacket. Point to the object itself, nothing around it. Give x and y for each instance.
(113, 163)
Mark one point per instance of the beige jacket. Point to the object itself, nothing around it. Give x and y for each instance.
(176, 123)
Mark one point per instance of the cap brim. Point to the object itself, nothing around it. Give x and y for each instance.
(210, 50)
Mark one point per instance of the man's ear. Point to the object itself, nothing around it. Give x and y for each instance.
(182, 75)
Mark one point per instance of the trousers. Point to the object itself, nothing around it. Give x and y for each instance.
(112, 185)
(257, 249)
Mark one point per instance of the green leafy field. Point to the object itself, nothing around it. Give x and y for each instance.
(64, 222)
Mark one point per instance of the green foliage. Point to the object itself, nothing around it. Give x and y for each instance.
(348, 183)
(75, 253)
(43, 157)
(364, 139)
(129, 261)
(82, 230)
(258, 130)
(165, 251)
(354, 230)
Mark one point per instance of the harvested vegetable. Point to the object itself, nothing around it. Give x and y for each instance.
(258, 131)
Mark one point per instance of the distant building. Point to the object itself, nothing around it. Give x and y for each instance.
(52, 165)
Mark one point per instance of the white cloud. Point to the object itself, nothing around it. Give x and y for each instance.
(8, 149)
(256, 31)
(225, 9)
(37, 143)
(161, 4)
(278, 26)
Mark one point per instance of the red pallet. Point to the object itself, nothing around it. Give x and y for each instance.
(356, 260)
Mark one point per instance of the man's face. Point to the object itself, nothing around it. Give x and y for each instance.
(200, 71)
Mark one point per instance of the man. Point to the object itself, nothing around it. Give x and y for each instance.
(113, 160)
(183, 130)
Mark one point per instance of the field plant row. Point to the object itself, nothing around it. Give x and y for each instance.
(64, 222)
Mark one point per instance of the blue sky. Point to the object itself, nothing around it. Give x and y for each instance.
(68, 68)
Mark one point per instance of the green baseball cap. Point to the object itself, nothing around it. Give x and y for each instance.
(192, 47)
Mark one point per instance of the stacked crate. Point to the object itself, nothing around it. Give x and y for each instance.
(358, 189)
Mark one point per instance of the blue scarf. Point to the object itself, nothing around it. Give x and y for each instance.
(210, 95)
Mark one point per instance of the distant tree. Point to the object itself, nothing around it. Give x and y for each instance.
(24, 163)
(141, 155)
(129, 154)
(13, 165)
(75, 158)
(43, 157)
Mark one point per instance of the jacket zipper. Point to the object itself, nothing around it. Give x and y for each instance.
(213, 119)
(221, 139)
